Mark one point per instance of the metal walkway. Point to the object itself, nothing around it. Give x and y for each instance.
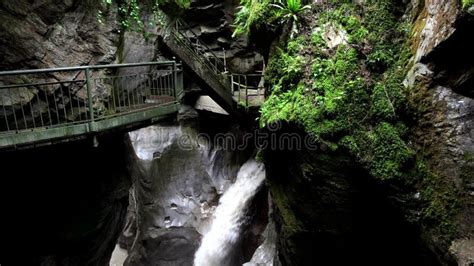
(48, 104)
(231, 91)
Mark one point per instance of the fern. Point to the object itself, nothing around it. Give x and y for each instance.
(291, 11)
(249, 13)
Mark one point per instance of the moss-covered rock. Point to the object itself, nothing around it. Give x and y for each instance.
(327, 205)
(351, 94)
(351, 98)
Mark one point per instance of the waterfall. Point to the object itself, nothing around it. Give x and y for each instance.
(218, 243)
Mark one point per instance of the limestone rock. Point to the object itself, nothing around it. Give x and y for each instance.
(443, 73)
(211, 22)
(334, 35)
(179, 178)
(464, 250)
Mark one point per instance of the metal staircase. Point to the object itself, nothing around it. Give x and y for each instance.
(207, 69)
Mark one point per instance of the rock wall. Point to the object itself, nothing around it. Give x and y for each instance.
(315, 197)
(77, 195)
(178, 179)
(212, 22)
(46, 34)
(51, 34)
(442, 81)
(327, 205)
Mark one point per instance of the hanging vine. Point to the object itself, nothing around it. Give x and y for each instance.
(131, 12)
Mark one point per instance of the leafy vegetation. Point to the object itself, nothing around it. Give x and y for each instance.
(265, 13)
(291, 11)
(344, 106)
(253, 13)
(351, 97)
(466, 4)
(131, 15)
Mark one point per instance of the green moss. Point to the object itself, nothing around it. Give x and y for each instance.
(353, 98)
(346, 16)
(317, 38)
(254, 13)
(344, 106)
(283, 201)
(259, 157)
(296, 45)
(469, 157)
(388, 152)
(131, 12)
(466, 4)
(285, 69)
(441, 203)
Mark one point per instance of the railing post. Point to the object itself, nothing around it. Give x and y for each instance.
(225, 60)
(89, 98)
(246, 93)
(180, 89)
(238, 87)
(175, 79)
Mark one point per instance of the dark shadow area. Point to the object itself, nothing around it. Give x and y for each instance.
(329, 212)
(452, 60)
(63, 204)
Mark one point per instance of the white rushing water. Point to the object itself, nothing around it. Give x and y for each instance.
(218, 243)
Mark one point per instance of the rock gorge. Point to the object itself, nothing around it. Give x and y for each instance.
(399, 191)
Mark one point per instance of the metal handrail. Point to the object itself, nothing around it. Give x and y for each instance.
(61, 69)
(31, 102)
(180, 23)
(205, 55)
(243, 82)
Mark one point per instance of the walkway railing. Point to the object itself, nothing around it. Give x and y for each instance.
(51, 103)
(189, 39)
(246, 89)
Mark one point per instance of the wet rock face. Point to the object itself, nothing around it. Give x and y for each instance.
(325, 206)
(178, 180)
(443, 77)
(47, 34)
(65, 204)
(443, 40)
(452, 59)
(50, 34)
(211, 21)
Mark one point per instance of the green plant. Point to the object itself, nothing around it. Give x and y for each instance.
(344, 106)
(466, 4)
(441, 202)
(259, 157)
(291, 11)
(242, 104)
(131, 13)
(252, 13)
(380, 59)
(352, 98)
(285, 68)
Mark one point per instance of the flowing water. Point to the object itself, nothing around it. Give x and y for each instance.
(219, 242)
